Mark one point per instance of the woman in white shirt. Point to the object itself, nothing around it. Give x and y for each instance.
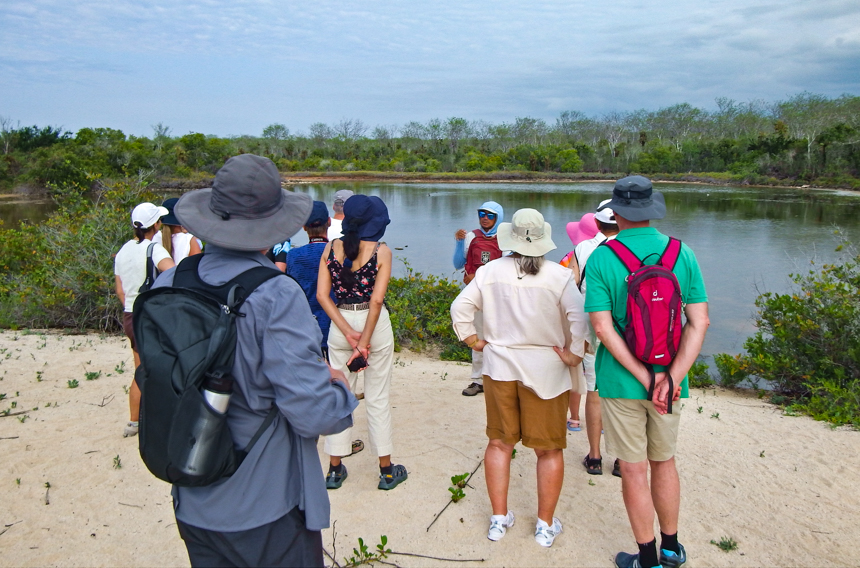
(174, 237)
(529, 306)
(129, 276)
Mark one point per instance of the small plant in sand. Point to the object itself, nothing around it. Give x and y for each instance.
(715, 415)
(514, 454)
(458, 482)
(120, 368)
(726, 544)
(22, 419)
(699, 409)
(17, 481)
(92, 375)
(363, 554)
(591, 482)
(73, 383)
(117, 463)
(39, 376)
(14, 404)
(761, 455)
(2, 395)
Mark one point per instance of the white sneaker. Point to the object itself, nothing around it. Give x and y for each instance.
(545, 534)
(499, 525)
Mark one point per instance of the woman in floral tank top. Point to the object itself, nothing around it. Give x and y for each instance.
(357, 268)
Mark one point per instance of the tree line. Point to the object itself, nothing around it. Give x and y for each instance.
(807, 138)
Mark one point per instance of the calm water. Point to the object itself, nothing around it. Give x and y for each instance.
(747, 240)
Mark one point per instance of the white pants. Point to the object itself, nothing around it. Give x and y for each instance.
(478, 356)
(377, 381)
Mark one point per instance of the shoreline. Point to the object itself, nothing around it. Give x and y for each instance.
(748, 471)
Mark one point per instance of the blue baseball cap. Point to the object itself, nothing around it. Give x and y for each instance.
(319, 215)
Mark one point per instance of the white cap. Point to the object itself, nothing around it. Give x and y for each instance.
(147, 214)
(605, 214)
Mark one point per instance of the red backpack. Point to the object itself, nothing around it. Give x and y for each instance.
(654, 305)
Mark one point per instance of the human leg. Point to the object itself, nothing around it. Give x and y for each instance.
(593, 423)
(497, 470)
(477, 384)
(503, 430)
(573, 424)
(550, 478)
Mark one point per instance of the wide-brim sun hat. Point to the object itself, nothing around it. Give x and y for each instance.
(582, 230)
(634, 199)
(245, 209)
(367, 215)
(527, 234)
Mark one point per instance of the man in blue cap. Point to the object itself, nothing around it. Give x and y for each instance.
(472, 251)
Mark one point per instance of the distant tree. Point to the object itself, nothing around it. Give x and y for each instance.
(320, 132)
(7, 131)
(276, 131)
(349, 129)
(384, 132)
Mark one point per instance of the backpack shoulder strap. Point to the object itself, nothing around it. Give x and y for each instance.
(670, 256)
(187, 276)
(624, 254)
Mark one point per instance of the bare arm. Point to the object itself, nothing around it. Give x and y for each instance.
(692, 338)
(325, 301)
(605, 331)
(120, 293)
(380, 287)
(165, 264)
(282, 266)
(195, 247)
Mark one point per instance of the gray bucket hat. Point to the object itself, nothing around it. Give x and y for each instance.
(245, 209)
(635, 199)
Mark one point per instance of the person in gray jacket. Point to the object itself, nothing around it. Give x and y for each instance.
(271, 511)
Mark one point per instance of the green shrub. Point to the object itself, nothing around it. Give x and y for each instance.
(420, 313)
(808, 342)
(59, 273)
(699, 377)
(731, 369)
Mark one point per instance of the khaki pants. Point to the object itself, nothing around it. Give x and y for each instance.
(377, 382)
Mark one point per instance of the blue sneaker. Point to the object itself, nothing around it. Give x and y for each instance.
(626, 560)
(669, 559)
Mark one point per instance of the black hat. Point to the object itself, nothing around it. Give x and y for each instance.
(635, 199)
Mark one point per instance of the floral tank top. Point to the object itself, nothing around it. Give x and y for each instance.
(365, 279)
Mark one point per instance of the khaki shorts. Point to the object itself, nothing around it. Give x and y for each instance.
(634, 431)
(515, 412)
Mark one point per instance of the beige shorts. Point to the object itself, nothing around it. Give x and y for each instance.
(515, 412)
(635, 432)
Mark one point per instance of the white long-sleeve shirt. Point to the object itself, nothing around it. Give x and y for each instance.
(524, 317)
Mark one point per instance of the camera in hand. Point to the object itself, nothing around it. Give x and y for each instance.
(357, 364)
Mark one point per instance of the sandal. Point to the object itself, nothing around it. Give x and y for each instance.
(357, 446)
(616, 469)
(397, 476)
(594, 466)
(573, 425)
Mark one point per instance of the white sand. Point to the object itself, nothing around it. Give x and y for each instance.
(796, 505)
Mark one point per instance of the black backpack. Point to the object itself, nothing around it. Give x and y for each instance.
(186, 335)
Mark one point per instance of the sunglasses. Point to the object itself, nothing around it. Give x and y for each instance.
(487, 214)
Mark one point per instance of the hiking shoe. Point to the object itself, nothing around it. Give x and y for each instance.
(397, 476)
(627, 560)
(616, 469)
(334, 479)
(594, 466)
(473, 389)
(130, 429)
(545, 534)
(669, 559)
(499, 525)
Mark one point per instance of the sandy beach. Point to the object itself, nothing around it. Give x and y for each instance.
(783, 487)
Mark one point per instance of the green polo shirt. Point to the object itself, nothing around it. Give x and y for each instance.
(607, 291)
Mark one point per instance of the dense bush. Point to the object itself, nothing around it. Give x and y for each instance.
(60, 274)
(420, 314)
(808, 343)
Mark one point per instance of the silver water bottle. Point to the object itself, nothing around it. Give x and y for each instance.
(204, 439)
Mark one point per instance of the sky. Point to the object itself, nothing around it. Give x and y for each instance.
(231, 68)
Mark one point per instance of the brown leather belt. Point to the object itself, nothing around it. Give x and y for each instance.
(355, 307)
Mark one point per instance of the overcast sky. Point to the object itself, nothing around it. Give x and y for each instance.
(233, 67)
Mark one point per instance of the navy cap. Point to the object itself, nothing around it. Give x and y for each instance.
(319, 215)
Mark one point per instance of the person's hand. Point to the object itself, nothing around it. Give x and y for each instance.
(353, 337)
(356, 353)
(337, 376)
(661, 392)
(460, 235)
(479, 345)
(565, 355)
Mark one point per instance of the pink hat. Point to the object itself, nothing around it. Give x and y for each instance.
(582, 230)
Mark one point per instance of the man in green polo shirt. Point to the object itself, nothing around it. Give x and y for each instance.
(640, 432)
